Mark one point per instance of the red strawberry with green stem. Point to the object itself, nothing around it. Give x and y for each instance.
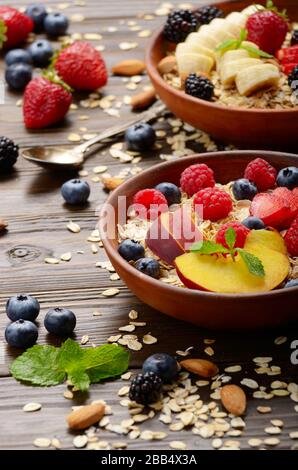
(14, 27)
(46, 101)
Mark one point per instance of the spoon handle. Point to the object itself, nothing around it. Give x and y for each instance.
(89, 147)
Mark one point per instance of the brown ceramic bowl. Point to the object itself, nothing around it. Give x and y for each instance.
(205, 309)
(245, 128)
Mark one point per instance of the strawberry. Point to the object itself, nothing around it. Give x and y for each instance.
(267, 28)
(288, 55)
(291, 238)
(290, 199)
(18, 26)
(288, 68)
(46, 101)
(81, 66)
(274, 211)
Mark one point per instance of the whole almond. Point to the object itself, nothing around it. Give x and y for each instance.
(167, 64)
(128, 68)
(201, 367)
(85, 416)
(112, 183)
(3, 225)
(233, 399)
(143, 100)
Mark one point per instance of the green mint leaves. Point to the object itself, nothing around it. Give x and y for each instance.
(232, 44)
(3, 30)
(208, 247)
(47, 365)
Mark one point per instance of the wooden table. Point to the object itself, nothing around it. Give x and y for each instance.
(32, 205)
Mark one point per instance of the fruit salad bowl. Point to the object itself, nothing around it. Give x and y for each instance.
(245, 127)
(205, 309)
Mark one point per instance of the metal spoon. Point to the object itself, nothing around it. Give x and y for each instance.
(63, 157)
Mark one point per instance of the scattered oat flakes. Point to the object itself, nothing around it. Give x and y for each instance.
(126, 376)
(264, 409)
(250, 383)
(100, 169)
(177, 445)
(254, 442)
(209, 351)
(74, 137)
(232, 369)
(149, 339)
(73, 227)
(110, 292)
(85, 339)
(133, 315)
(68, 394)
(123, 391)
(42, 442)
(280, 340)
(51, 260)
(80, 441)
(128, 328)
(271, 441)
(126, 46)
(93, 36)
(29, 407)
(66, 256)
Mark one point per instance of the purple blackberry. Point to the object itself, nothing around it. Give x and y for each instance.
(145, 388)
(9, 153)
(199, 87)
(206, 14)
(179, 24)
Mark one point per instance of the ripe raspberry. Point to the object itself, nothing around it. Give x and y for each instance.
(291, 238)
(149, 203)
(261, 173)
(216, 203)
(240, 230)
(196, 177)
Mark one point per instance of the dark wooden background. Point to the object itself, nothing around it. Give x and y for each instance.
(31, 203)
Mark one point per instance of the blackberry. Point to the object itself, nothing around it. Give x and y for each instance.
(199, 87)
(179, 24)
(9, 153)
(294, 40)
(206, 14)
(293, 79)
(145, 388)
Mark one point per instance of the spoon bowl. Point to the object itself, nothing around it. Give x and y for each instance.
(50, 157)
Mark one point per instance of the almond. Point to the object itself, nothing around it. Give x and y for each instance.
(85, 416)
(233, 399)
(128, 68)
(143, 100)
(167, 64)
(3, 225)
(200, 367)
(112, 182)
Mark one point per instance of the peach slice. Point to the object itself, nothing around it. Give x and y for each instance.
(221, 274)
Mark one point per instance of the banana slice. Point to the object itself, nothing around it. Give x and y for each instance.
(230, 70)
(238, 19)
(219, 34)
(231, 56)
(257, 77)
(186, 48)
(225, 26)
(252, 9)
(193, 63)
(203, 39)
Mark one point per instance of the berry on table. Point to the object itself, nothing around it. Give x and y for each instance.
(75, 191)
(18, 26)
(240, 230)
(9, 153)
(149, 203)
(55, 24)
(18, 56)
(288, 177)
(196, 177)
(291, 238)
(244, 189)
(131, 250)
(149, 266)
(145, 388)
(163, 365)
(216, 204)
(179, 24)
(21, 334)
(199, 87)
(41, 52)
(17, 76)
(22, 307)
(294, 39)
(253, 223)
(170, 191)
(140, 137)
(261, 173)
(208, 13)
(60, 321)
(37, 13)
(291, 283)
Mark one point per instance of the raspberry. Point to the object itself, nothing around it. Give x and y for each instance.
(240, 230)
(291, 238)
(216, 203)
(196, 177)
(261, 173)
(149, 203)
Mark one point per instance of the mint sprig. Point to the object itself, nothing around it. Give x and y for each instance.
(233, 44)
(208, 247)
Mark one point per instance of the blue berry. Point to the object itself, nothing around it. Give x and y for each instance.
(131, 250)
(60, 321)
(163, 365)
(37, 13)
(292, 283)
(140, 137)
(22, 307)
(41, 52)
(21, 334)
(75, 191)
(288, 177)
(244, 189)
(253, 223)
(171, 192)
(18, 56)
(17, 76)
(56, 24)
(149, 266)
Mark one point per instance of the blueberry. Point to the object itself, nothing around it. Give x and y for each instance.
(170, 191)
(292, 283)
(163, 365)
(253, 223)
(17, 76)
(55, 24)
(149, 266)
(288, 177)
(131, 250)
(37, 13)
(75, 191)
(18, 56)
(21, 334)
(41, 52)
(22, 307)
(140, 137)
(244, 189)
(60, 321)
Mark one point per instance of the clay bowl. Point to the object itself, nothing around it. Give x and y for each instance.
(205, 309)
(245, 128)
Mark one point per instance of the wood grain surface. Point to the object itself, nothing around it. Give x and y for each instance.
(31, 203)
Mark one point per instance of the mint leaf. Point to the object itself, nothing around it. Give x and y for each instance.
(109, 360)
(228, 44)
(253, 263)
(208, 248)
(256, 51)
(243, 35)
(230, 237)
